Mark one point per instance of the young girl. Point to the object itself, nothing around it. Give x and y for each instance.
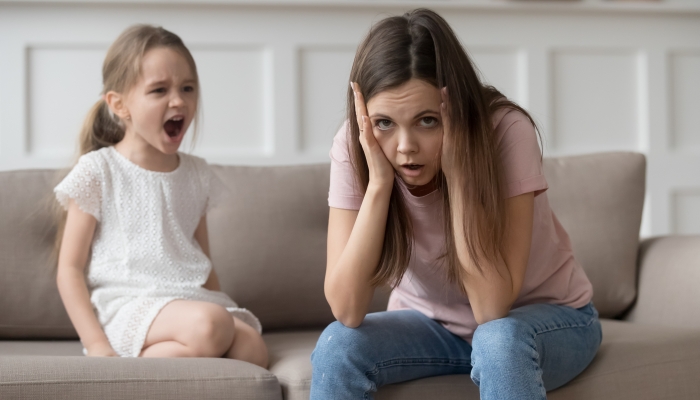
(136, 215)
(437, 188)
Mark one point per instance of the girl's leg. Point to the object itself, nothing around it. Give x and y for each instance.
(535, 348)
(247, 345)
(389, 347)
(185, 328)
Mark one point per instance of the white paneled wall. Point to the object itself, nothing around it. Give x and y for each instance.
(597, 76)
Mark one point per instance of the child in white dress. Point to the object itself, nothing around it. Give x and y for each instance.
(136, 217)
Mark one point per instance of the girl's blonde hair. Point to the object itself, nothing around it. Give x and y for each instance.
(120, 72)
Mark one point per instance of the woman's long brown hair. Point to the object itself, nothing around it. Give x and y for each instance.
(421, 45)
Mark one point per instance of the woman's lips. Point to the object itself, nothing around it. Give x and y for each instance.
(412, 170)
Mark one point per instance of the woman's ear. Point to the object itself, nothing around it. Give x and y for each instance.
(115, 101)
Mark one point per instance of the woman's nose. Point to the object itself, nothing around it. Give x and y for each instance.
(407, 143)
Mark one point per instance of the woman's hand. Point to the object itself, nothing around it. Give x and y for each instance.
(447, 154)
(100, 349)
(381, 172)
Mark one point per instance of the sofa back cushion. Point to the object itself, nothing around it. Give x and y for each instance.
(598, 198)
(30, 306)
(268, 240)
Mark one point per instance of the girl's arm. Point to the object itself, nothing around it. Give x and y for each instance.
(202, 237)
(70, 278)
(493, 291)
(356, 238)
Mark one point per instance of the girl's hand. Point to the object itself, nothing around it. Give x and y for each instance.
(101, 350)
(447, 154)
(381, 172)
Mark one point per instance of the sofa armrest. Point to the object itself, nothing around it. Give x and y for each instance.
(668, 282)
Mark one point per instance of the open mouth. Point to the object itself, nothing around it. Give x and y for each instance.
(412, 167)
(173, 126)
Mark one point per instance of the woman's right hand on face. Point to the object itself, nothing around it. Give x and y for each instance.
(381, 172)
(101, 350)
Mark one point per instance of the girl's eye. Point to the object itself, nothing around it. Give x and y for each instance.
(428, 122)
(188, 88)
(158, 90)
(383, 124)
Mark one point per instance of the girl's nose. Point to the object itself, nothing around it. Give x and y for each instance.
(407, 143)
(176, 100)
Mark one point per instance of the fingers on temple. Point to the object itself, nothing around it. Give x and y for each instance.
(360, 107)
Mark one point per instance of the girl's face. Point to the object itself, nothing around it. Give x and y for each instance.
(407, 124)
(163, 102)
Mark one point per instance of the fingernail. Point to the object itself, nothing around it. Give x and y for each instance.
(352, 86)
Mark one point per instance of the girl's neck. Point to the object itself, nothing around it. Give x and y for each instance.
(146, 156)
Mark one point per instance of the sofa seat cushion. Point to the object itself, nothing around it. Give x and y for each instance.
(635, 361)
(46, 370)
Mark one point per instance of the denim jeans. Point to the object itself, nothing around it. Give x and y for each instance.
(535, 348)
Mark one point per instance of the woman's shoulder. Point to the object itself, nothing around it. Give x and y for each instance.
(512, 125)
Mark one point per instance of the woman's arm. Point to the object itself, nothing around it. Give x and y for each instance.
(356, 238)
(70, 278)
(202, 237)
(493, 290)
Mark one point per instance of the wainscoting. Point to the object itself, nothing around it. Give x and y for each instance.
(597, 76)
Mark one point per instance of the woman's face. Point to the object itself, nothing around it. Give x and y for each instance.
(407, 124)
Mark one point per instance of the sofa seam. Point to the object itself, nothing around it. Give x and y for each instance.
(122, 381)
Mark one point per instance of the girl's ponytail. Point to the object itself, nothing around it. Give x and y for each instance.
(100, 129)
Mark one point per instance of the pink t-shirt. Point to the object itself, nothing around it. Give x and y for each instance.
(552, 276)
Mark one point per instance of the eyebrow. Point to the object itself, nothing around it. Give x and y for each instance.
(420, 114)
(164, 81)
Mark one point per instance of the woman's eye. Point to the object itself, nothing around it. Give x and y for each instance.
(428, 122)
(383, 124)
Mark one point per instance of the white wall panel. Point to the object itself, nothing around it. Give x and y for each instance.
(63, 83)
(685, 101)
(686, 212)
(324, 81)
(233, 84)
(504, 69)
(595, 100)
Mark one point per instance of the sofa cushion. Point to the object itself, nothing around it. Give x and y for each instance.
(635, 362)
(29, 302)
(76, 378)
(599, 199)
(669, 277)
(268, 243)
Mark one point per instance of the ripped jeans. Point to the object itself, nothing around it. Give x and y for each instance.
(535, 348)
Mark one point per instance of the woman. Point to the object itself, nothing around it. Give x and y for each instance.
(437, 189)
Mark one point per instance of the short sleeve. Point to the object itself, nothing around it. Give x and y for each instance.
(83, 184)
(215, 188)
(520, 155)
(343, 192)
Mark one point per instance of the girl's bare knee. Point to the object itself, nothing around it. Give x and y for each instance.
(212, 331)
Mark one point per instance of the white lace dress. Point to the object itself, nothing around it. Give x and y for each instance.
(144, 254)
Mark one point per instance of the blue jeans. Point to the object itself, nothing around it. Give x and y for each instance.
(534, 349)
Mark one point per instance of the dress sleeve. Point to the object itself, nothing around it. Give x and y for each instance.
(215, 188)
(520, 156)
(343, 191)
(83, 184)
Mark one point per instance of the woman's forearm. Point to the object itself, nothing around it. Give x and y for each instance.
(491, 291)
(76, 299)
(347, 286)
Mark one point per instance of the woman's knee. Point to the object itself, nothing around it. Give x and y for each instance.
(500, 340)
(337, 343)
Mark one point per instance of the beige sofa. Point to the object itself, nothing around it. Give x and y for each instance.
(268, 246)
